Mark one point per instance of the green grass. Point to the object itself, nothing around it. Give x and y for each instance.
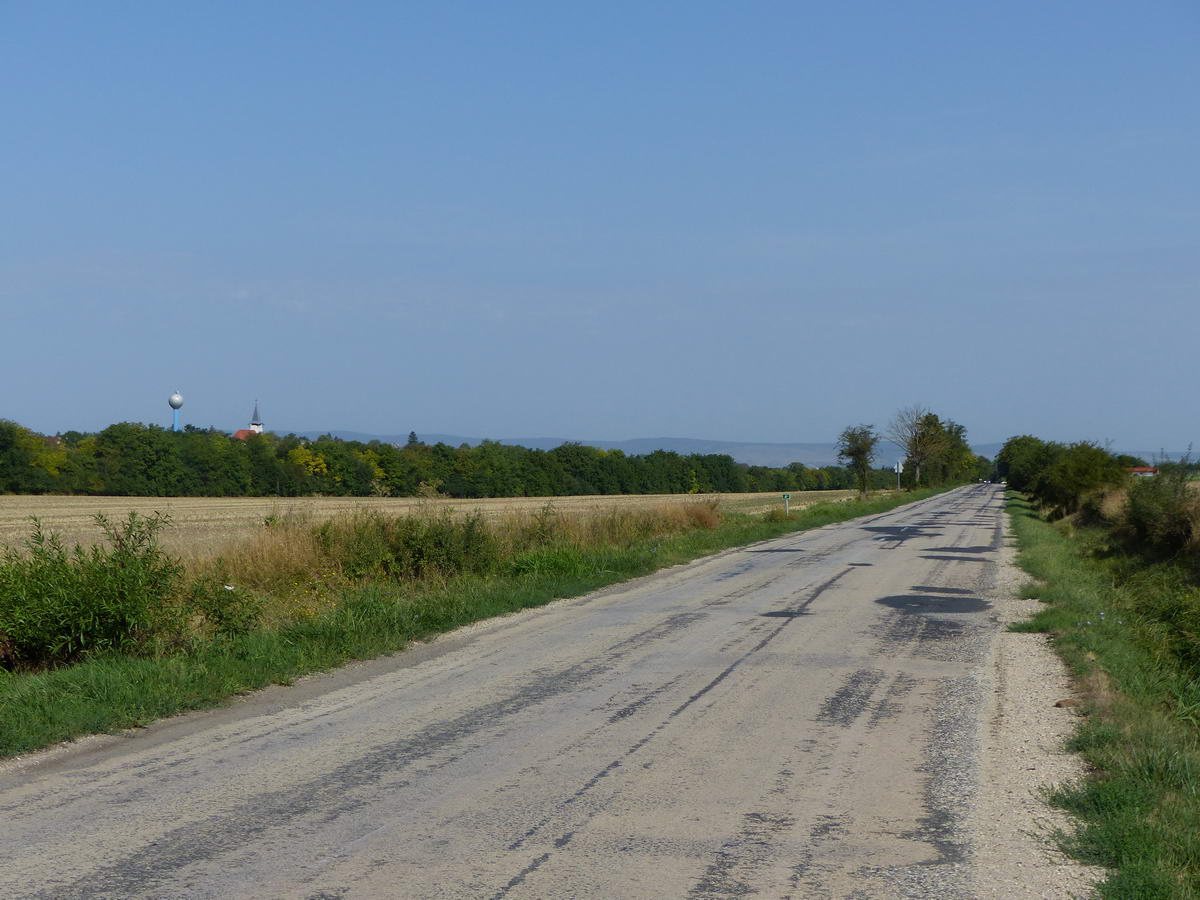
(1139, 810)
(108, 693)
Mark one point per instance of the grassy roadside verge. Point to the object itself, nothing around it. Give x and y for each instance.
(1139, 811)
(111, 692)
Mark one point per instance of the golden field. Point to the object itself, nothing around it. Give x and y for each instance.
(202, 526)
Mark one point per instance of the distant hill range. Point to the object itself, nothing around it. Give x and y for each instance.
(752, 454)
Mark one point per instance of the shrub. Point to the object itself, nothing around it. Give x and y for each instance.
(539, 530)
(228, 610)
(1079, 471)
(557, 562)
(370, 545)
(1103, 508)
(1163, 512)
(57, 605)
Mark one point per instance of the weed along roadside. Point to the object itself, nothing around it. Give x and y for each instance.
(110, 638)
(1126, 619)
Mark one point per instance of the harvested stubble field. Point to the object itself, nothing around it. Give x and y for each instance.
(202, 526)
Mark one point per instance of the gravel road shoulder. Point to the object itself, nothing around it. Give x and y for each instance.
(1021, 756)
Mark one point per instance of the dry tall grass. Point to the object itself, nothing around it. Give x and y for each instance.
(297, 566)
(616, 526)
(289, 559)
(1161, 515)
(1111, 505)
(204, 526)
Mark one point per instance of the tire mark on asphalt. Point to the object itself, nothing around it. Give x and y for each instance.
(753, 846)
(806, 872)
(849, 701)
(630, 708)
(616, 764)
(891, 705)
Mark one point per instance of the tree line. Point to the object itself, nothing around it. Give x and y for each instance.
(1062, 478)
(936, 451)
(131, 459)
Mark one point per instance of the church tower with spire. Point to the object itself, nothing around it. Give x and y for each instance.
(256, 420)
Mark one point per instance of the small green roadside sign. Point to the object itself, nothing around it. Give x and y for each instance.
(787, 496)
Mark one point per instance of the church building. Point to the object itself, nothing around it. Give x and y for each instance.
(256, 426)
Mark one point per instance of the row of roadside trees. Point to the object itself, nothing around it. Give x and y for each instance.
(935, 449)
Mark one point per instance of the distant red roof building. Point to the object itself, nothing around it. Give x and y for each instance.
(1142, 471)
(256, 426)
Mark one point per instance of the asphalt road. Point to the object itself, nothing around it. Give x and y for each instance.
(800, 718)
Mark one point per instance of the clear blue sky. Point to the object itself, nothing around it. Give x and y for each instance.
(740, 221)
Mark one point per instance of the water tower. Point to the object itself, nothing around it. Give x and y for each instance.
(175, 401)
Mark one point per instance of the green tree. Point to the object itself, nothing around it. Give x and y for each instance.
(1131, 462)
(1079, 471)
(950, 459)
(18, 450)
(856, 447)
(1024, 458)
(935, 451)
(139, 461)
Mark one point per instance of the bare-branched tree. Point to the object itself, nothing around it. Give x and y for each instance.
(908, 431)
(904, 432)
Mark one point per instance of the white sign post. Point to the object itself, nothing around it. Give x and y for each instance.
(786, 498)
(899, 467)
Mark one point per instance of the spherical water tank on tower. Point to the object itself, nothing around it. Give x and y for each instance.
(175, 401)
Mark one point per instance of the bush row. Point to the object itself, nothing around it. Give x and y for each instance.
(1061, 477)
(1145, 531)
(128, 596)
